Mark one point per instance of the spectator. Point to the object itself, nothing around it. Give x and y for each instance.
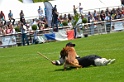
(80, 8)
(122, 12)
(22, 18)
(33, 22)
(35, 37)
(69, 17)
(40, 13)
(55, 19)
(10, 16)
(113, 11)
(102, 15)
(122, 2)
(107, 11)
(74, 10)
(24, 34)
(70, 24)
(40, 25)
(108, 22)
(12, 29)
(1, 23)
(55, 8)
(92, 19)
(2, 31)
(29, 29)
(7, 29)
(119, 13)
(65, 17)
(95, 15)
(2, 17)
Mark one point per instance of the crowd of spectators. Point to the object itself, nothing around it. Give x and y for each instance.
(7, 27)
(95, 16)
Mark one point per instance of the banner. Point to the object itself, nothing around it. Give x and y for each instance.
(7, 40)
(48, 12)
(119, 25)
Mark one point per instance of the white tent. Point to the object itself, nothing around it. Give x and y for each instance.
(63, 6)
(66, 6)
(30, 10)
(14, 5)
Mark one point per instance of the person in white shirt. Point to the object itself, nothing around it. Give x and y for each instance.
(40, 12)
(24, 34)
(108, 22)
(80, 8)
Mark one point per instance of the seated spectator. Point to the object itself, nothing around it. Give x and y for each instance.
(65, 17)
(29, 28)
(40, 25)
(40, 13)
(10, 16)
(122, 12)
(2, 17)
(22, 18)
(1, 23)
(12, 29)
(7, 29)
(2, 31)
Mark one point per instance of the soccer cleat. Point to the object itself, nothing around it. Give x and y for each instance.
(112, 61)
(106, 62)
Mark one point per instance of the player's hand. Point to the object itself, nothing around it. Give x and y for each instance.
(53, 62)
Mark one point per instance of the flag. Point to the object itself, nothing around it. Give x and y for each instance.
(48, 12)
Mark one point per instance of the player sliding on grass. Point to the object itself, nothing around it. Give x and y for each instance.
(86, 61)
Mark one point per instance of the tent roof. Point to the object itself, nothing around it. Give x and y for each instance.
(63, 6)
(30, 10)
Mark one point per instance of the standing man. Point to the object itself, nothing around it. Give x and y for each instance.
(24, 34)
(40, 12)
(74, 10)
(80, 8)
(10, 16)
(108, 22)
(55, 18)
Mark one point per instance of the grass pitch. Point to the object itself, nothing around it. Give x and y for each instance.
(23, 64)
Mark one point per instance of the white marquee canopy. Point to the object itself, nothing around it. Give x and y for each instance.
(63, 6)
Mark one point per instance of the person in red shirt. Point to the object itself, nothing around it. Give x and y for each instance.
(2, 17)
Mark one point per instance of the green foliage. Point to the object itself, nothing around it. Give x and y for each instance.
(75, 18)
(34, 27)
(23, 64)
(84, 20)
(17, 29)
(65, 23)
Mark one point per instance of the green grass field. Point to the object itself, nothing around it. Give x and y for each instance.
(23, 64)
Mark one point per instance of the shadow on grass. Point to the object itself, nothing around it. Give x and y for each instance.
(68, 69)
(72, 68)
